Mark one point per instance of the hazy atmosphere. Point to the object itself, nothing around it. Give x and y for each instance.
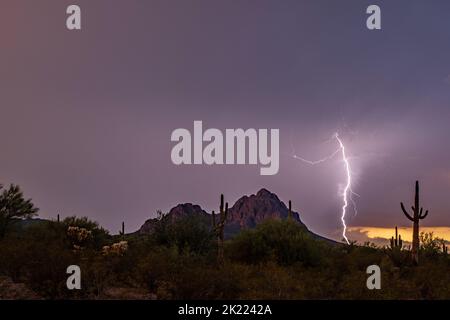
(86, 117)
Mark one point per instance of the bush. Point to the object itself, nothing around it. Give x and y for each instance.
(187, 234)
(97, 235)
(277, 260)
(39, 257)
(284, 241)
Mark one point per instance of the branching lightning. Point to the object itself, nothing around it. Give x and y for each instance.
(347, 187)
(347, 193)
(318, 161)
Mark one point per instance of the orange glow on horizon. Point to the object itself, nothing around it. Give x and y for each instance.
(405, 232)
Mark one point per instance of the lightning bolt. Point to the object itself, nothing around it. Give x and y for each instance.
(348, 186)
(348, 192)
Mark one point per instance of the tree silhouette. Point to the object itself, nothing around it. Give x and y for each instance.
(14, 206)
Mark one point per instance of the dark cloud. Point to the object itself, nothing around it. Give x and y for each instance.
(86, 116)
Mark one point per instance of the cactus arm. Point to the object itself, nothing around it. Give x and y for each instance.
(405, 212)
(423, 216)
(221, 203)
(214, 219)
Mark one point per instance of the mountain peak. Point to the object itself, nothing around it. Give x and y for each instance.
(246, 213)
(249, 211)
(185, 209)
(264, 193)
(178, 212)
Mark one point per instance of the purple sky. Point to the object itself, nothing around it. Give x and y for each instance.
(86, 116)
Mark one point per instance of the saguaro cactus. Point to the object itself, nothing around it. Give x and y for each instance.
(122, 232)
(290, 210)
(417, 215)
(219, 226)
(444, 248)
(397, 242)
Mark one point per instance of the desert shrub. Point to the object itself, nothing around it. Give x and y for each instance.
(47, 270)
(400, 258)
(214, 283)
(272, 281)
(38, 257)
(175, 274)
(153, 268)
(362, 256)
(284, 241)
(20, 250)
(14, 255)
(276, 260)
(98, 273)
(76, 227)
(186, 234)
(430, 246)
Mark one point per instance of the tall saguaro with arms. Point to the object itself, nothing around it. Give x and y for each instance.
(417, 215)
(219, 227)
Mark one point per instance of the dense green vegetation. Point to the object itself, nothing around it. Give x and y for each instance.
(277, 260)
